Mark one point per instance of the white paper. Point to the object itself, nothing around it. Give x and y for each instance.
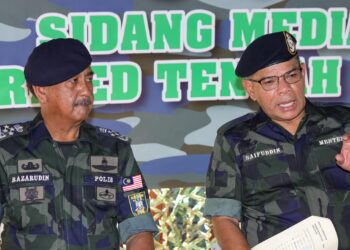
(313, 233)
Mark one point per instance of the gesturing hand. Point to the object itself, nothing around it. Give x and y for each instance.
(343, 158)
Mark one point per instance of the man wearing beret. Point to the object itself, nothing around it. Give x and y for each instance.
(66, 184)
(272, 169)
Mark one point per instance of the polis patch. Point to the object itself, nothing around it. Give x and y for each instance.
(138, 203)
(100, 179)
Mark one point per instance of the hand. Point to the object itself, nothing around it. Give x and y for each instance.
(140, 241)
(343, 158)
(228, 233)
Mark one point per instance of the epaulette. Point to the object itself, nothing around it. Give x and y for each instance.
(235, 122)
(111, 133)
(10, 130)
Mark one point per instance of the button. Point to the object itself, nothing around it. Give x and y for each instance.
(92, 229)
(60, 228)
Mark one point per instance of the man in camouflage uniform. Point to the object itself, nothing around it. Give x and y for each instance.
(272, 169)
(66, 184)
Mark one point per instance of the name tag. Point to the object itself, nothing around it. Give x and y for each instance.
(30, 178)
(262, 153)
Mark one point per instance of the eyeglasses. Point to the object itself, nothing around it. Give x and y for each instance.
(271, 82)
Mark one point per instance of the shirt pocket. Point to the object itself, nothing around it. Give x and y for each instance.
(101, 190)
(101, 196)
(31, 210)
(323, 156)
(101, 202)
(267, 179)
(335, 180)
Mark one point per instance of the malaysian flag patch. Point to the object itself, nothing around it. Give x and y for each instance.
(132, 183)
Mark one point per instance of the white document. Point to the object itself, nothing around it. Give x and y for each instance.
(313, 233)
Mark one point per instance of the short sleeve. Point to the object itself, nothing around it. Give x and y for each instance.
(133, 201)
(223, 183)
(134, 225)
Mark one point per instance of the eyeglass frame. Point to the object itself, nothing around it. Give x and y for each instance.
(278, 78)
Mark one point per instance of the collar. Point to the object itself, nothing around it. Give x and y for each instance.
(313, 114)
(39, 132)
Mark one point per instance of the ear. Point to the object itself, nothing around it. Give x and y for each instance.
(248, 86)
(41, 93)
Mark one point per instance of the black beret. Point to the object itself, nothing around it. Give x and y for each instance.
(56, 61)
(265, 51)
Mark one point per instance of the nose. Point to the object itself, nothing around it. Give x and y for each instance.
(283, 86)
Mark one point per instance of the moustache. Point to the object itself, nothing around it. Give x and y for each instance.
(84, 102)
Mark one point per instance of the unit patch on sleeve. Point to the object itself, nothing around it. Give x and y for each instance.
(104, 164)
(138, 203)
(30, 165)
(132, 183)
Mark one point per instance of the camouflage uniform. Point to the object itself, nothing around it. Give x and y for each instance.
(269, 180)
(53, 202)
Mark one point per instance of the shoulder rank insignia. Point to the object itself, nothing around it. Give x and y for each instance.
(10, 130)
(112, 133)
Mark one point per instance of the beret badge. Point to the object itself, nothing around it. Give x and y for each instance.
(290, 43)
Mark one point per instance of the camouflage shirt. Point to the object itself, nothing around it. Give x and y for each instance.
(79, 202)
(269, 179)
